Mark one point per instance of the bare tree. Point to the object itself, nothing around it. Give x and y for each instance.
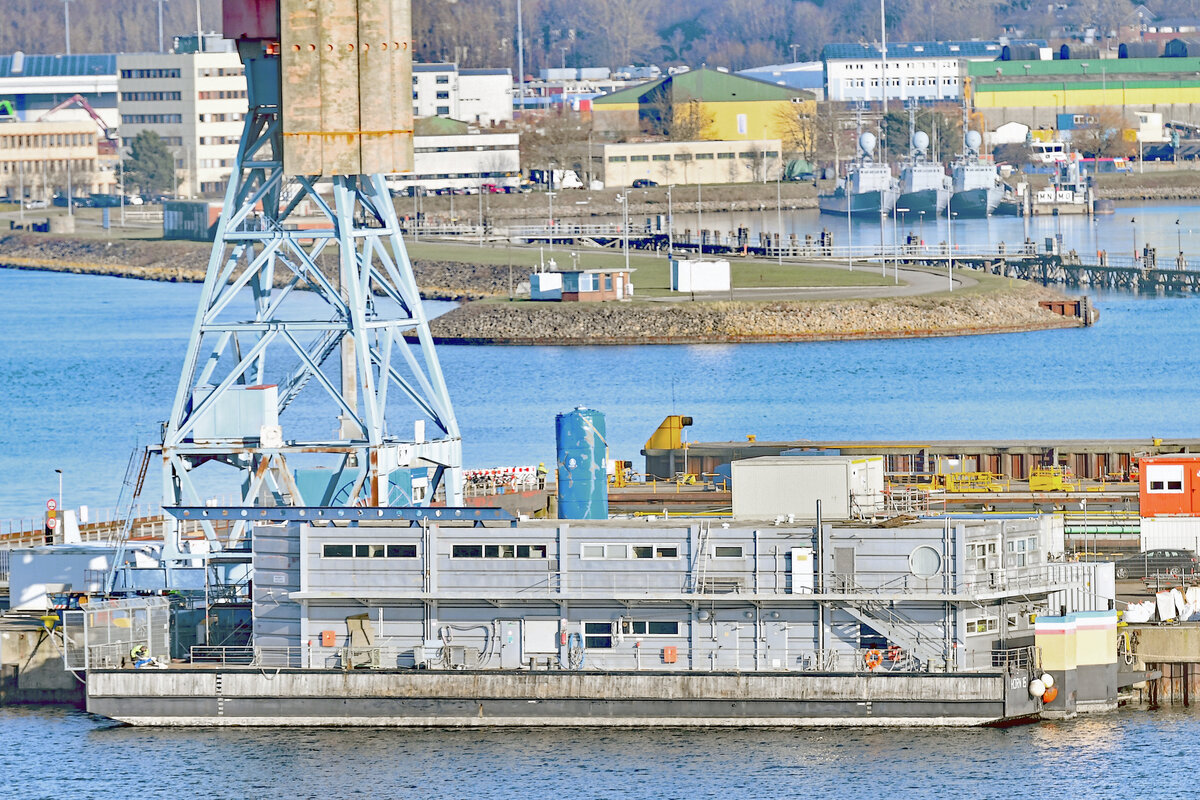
(1103, 134)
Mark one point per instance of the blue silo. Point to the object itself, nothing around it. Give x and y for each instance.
(582, 464)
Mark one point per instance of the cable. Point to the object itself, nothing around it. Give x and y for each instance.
(576, 655)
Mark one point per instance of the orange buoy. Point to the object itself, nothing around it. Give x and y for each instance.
(1050, 694)
(873, 659)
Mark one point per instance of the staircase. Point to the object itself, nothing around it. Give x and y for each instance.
(131, 490)
(879, 616)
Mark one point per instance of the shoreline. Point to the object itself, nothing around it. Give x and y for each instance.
(782, 338)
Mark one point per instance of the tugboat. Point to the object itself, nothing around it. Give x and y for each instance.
(924, 186)
(1070, 191)
(868, 188)
(977, 187)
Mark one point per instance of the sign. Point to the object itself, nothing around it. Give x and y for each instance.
(52, 523)
(51, 504)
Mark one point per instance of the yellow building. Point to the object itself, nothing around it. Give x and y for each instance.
(704, 104)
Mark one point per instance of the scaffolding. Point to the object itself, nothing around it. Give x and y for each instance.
(110, 634)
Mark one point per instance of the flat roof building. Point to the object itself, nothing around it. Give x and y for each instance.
(666, 163)
(31, 85)
(481, 96)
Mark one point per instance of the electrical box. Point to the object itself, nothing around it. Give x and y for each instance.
(347, 86)
(328, 638)
(541, 637)
(240, 413)
(670, 655)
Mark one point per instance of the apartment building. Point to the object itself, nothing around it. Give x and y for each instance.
(196, 101)
(479, 96)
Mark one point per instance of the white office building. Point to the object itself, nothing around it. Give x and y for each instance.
(922, 71)
(32, 85)
(479, 96)
(196, 101)
(467, 161)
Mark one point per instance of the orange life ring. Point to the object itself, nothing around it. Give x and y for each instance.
(873, 659)
(894, 652)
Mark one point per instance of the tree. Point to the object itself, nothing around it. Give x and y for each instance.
(798, 123)
(1103, 134)
(150, 167)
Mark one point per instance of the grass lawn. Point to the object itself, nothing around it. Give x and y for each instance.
(653, 274)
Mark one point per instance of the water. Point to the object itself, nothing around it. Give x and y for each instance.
(90, 364)
(60, 754)
(1138, 222)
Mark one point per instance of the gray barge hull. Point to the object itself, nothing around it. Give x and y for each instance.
(182, 697)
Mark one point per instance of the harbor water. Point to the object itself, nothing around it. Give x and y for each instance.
(61, 754)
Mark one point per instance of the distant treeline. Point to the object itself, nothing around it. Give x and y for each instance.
(721, 33)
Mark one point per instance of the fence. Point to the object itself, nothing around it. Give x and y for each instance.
(106, 633)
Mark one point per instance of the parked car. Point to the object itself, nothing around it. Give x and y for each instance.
(1154, 562)
(644, 183)
(36, 204)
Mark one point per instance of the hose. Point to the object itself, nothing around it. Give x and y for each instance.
(446, 634)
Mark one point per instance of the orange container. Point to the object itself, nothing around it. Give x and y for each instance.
(328, 638)
(1169, 485)
(670, 655)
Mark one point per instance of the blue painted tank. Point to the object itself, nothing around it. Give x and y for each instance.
(582, 460)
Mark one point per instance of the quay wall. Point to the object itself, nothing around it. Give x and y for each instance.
(239, 697)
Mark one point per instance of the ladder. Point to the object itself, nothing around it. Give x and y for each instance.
(700, 559)
(131, 490)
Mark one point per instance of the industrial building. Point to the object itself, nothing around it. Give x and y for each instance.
(922, 71)
(196, 101)
(480, 96)
(31, 85)
(737, 161)
(1036, 93)
(460, 157)
(716, 104)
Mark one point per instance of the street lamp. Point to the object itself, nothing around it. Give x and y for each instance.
(950, 243)
(623, 199)
(1179, 238)
(896, 212)
(1133, 222)
(60, 493)
(670, 222)
(779, 214)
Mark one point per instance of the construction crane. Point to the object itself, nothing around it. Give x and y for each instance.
(79, 100)
(269, 366)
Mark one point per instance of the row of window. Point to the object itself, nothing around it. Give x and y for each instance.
(169, 141)
(150, 96)
(151, 119)
(441, 95)
(601, 635)
(220, 139)
(150, 73)
(697, 156)
(440, 79)
(369, 551)
(223, 94)
(47, 140)
(234, 117)
(441, 111)
(910, 82)
(874, 65)
(218, 72)
(589, 551)
(506, 148)
(81, 165)
(215, 163)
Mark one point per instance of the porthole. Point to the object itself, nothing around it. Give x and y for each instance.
(925, 562)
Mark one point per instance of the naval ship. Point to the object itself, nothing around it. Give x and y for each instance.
(868, 188)
(977, 189)
(924, 186)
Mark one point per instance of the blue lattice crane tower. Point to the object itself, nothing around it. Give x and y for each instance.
(298, 370)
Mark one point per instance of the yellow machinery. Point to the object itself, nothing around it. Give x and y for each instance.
(962, 482)
(1052, 479)
(669, 434)
(622, 473)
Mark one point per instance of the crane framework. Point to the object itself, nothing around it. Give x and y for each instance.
(310, 314)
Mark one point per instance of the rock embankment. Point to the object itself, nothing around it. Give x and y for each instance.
(185, 262)
(528, 323)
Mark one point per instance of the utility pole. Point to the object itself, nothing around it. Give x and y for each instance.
(794, 47)
(67, 23)
(160, 27)
(520, 59)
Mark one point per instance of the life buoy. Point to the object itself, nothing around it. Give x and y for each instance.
(894, 652)
(873, 659)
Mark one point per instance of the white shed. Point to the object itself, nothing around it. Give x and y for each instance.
(773, 486)
(699, 276)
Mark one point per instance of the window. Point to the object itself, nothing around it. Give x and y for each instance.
(704, 156)
(662, 157)
(683, 156)
(639, 158)
(443, 109)
(1164, 478)
(442, 80)
(644, 628)
(725, 155)
(983, 625)
(727, 551)
(980, 555)
(498, 551)
(443, 95)
(616, 159)
(597, 635)
(623, 551)
(368, 551)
